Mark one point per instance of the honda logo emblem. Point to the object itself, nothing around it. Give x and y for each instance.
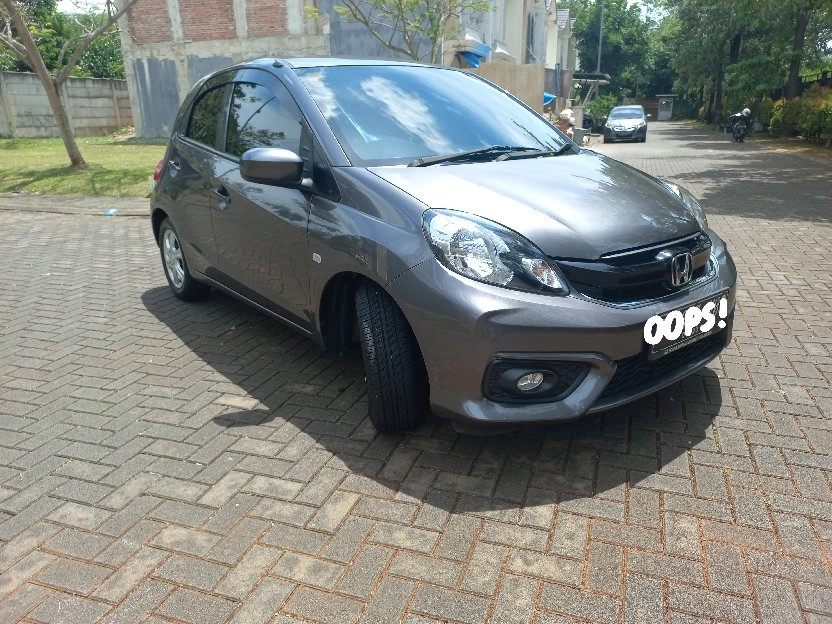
(681, 269)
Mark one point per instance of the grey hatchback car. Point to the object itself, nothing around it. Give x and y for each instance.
(487, 268)
(626, 123)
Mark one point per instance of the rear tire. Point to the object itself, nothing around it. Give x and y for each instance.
(179, 277)
(396, 377)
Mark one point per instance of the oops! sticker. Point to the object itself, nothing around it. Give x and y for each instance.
(697, 319)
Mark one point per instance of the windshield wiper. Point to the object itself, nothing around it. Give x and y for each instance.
(534, 154)
(494, 150)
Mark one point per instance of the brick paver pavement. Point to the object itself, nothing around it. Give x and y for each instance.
(172, 462)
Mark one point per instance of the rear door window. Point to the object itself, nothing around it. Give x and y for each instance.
(207, 117)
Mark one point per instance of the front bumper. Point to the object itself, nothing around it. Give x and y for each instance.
(463, 326)
(634, 134)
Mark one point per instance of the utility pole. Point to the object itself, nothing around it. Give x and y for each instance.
(596, 86)
(600, 42)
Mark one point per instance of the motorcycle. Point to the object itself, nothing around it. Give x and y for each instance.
(739, 127)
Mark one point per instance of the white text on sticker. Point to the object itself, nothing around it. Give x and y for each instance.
(694, 319)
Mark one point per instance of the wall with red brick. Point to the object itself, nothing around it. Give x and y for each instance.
(149, 22)
(266, 18)
(207, 20)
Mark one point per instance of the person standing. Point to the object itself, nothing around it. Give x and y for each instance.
(566, 123)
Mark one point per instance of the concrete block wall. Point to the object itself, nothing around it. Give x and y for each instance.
(94, 105)
(4, 116)
(525, 82)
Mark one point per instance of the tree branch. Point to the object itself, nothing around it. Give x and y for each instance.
(355, 14)
(16, 48)
(63, 73)
(6, 37)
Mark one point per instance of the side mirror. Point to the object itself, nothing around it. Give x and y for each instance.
(649, 115)
(271, 165)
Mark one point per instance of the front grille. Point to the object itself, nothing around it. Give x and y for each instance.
(637, 372)
(636, 275)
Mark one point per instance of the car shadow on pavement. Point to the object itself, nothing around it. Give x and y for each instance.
(293, 409)
(748, 180)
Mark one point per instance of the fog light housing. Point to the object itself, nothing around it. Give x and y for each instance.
(527, 381)
(530, 381)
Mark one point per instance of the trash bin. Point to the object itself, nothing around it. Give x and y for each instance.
(581, 135)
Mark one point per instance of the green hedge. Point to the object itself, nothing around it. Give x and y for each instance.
(601, 106)
(810, 114)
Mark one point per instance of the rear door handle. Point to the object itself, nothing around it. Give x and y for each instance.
(174, 166)
(223, 196)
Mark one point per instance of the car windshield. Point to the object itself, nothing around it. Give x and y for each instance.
(626, 113)
(393, 115)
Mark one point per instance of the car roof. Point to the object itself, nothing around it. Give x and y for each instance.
(330, 61)
(630, 108)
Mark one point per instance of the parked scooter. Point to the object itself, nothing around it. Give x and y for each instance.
(740, 124)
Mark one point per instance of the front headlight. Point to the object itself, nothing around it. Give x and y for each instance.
(690, 201)
(488, 252)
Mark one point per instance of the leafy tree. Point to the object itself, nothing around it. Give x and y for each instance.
(659, 70)
(601, 107)
(18, 31)
(414, 28)
(50, 30)
(808, 38)
(624, 44)
(54, 31)
(103, 58)
(731, 55)
(706, 33)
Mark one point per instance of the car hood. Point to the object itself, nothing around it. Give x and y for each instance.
(579, 206)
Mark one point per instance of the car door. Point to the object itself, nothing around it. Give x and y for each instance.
(261, 230)
(193, 163)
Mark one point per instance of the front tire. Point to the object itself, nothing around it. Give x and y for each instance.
(396, 377)
(179, 277)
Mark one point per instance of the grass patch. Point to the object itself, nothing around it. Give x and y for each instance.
(115, 167)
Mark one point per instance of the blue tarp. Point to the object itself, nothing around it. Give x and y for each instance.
(473, 59)
(477, 53)
(548, 98)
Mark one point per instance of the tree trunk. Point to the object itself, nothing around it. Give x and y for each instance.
(720, 79)
(52, 88)
(793, 83)
(709, 114)
(62, 120)
(736, 46)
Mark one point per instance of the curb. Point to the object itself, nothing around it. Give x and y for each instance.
(78, 205)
